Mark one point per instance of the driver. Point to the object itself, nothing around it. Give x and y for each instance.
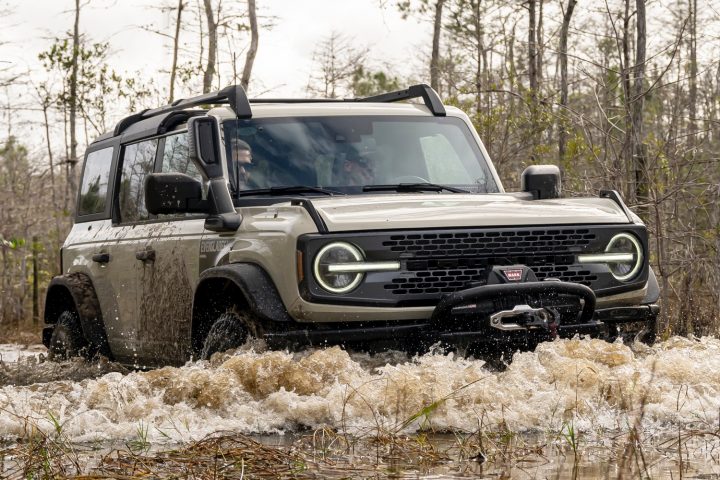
(358, 170)
(242, 162)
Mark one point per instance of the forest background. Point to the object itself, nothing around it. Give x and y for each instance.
(621, 94)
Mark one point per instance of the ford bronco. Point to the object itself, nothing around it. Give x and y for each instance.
(366, 221)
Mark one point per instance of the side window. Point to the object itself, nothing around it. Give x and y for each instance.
(94, 187)
(138, 161)
(175, 157)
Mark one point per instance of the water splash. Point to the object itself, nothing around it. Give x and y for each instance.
(598, 386)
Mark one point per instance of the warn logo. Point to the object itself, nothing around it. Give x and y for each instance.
(513, 275)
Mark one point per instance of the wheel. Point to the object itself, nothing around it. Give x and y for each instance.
(67, 340)
(228, 331)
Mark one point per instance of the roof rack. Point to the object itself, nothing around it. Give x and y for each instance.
(235, 96)
(429, 96)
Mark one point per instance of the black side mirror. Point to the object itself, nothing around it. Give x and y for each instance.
(204, 149)
(168, 193)
(204, 145)
(543, 181)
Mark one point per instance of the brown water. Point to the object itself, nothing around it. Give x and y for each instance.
(618, 404)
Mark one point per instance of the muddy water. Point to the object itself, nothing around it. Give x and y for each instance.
(597, 391)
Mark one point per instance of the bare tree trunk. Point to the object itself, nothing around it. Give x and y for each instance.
(539, 45)
(626, 155)
(480, 50)
(562, 134)
(638, 105)
(45, 107)
(532, 51)
(176, 44)
(72, 160)
(254, 34)
(212, 46)
(435, 58)
(692, 81)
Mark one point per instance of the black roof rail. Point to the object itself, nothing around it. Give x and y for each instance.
(429, 96)
(235, 96)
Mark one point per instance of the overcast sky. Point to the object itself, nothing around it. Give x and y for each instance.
(284, 60)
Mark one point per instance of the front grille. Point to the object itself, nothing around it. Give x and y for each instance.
(437, 281)
(520, 242)
(445, 262)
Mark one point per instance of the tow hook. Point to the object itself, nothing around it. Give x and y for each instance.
(525, 317)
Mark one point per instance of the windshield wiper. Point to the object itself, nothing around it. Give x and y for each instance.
(413, 187)
(285, 190)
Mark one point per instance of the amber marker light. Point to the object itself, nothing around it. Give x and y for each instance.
(299, 262)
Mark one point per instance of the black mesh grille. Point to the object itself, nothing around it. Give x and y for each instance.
(520, 242)
(572, 273)
(445, 262)
(437, 281)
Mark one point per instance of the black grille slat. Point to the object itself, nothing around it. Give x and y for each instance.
(535, 242)
(445, 262)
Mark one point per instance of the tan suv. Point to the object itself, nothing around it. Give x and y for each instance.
(361, 221)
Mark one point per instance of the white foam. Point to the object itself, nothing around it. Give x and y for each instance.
(595, 385)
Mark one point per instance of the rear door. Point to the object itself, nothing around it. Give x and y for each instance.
(86, 247)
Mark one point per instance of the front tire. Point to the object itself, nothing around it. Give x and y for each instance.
(228, 331)
(67, 340)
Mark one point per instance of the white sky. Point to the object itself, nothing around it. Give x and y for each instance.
(284, 60)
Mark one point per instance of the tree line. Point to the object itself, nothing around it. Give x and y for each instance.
(622, 94)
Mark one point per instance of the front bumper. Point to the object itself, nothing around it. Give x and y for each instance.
(516, 314)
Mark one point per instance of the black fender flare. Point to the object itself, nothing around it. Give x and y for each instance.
(255, 284)
(259, 293)
(76, 290)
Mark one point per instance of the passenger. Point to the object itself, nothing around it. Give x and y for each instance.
(358, 170)
(242, 162)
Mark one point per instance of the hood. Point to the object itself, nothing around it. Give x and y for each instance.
(430, 210)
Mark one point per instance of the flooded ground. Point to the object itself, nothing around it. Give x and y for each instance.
(572, 408)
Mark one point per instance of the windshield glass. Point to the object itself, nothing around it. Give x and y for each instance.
(346, 154)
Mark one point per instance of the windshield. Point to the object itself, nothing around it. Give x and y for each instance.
(345, 154)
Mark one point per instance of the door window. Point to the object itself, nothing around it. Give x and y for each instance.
(176, 158)
(138, 161)
(94, 187)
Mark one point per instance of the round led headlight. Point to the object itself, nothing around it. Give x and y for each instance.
(334, 254)
(630, 259)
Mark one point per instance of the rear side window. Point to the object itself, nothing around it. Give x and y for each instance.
(137, 162)
(94, 187)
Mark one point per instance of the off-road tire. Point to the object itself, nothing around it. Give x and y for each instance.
(228, 331)
(67, 340)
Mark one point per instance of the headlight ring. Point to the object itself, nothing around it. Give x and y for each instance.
(337, 253)
(625, 243)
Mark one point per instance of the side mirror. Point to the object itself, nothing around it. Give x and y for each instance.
(543, 181)
(167, 193)
(204, 149)
(204, 145)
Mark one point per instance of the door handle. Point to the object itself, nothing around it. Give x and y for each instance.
(101, 258)
(145, 255)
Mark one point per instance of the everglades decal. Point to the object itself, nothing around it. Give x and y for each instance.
(212, 250)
